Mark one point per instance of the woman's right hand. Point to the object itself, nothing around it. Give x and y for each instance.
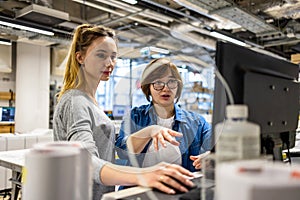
(161, 135)
(166, 178)
(163, 176)
(137, 141)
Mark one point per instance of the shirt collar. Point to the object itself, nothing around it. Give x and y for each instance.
(179, 116)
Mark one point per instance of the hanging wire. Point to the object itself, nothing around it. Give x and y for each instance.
(225, 85)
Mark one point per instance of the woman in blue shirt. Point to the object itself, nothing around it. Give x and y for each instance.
(174, 135)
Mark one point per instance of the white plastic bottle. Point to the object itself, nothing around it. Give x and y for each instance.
(238, 139)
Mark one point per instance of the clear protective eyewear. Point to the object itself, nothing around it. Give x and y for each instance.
(159, 85)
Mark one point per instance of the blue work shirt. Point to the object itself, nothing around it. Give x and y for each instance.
(196, 132)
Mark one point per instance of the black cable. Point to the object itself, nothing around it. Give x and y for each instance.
(288, 152)
(286, 140)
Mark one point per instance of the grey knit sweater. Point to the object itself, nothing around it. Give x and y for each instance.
(77, 118)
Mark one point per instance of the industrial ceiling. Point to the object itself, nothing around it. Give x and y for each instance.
(183, 27)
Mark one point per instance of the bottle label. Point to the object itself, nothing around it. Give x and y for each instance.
(237, 147)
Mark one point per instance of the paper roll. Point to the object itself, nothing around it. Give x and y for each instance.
(84, 171)
(257, 180)
(49, 174)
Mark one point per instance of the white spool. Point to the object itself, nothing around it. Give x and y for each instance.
(49, 174)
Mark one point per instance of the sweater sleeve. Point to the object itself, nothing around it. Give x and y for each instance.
(77, 123)
(97, 164)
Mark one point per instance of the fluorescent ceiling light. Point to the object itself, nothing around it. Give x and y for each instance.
(26, 28)
(157, 55)
(130, 1)
(155, 49)
(226, 38)
(5, 43)
(159, 50)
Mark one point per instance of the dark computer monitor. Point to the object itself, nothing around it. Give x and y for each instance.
(7, 114)
(268, 86)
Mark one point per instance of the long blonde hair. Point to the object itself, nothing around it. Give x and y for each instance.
(83, 37)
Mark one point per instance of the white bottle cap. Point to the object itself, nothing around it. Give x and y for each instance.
(237, 111)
